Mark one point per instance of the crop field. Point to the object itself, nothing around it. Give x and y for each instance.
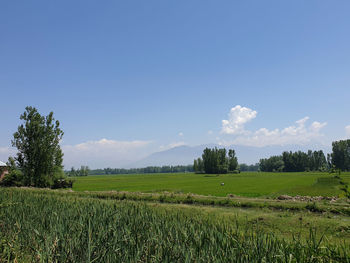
(63, 226)
(249, 184)
(178, 218)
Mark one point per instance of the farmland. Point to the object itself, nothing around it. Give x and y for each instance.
(250, 184)
(63, 226)
(178, 218)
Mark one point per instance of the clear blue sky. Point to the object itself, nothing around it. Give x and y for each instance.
(168, 72)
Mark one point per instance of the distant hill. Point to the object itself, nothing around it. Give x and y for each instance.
(183, 155)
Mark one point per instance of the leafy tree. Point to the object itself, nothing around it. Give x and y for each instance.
(341, 155)
(232, 160)
(72, 172)
(272, 164)
(39, 156)
(222, 161)
(195, 165)
(84, 171)
(216, 161)
(198, 165)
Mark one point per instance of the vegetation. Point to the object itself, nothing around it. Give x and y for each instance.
(83, 171)
(47, 226)
(272, 164)
(341, 155)
(300, 161)
(149, 169)
(216, 161)
(249, 184)
(295, 162)
(39, 158)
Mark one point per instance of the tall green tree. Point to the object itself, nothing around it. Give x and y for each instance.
(272, 164)
(216, 161)
(232, 160)
(341, 155)
(39, 154)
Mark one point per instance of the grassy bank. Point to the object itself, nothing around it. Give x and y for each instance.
(61, 226)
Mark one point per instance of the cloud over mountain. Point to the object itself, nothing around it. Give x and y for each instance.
(235, 133)
(104, 152)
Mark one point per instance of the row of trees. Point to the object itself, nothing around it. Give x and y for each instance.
(295, 162)
(83, 171)
(248, 167)
(216, 161)
(149, 169)
(340, 157)
(300, 161)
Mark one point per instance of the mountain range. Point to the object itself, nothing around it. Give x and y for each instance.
(183, 155)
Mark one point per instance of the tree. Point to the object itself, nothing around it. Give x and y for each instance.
(341, 155)
(232, 160)
(84, 171)
(39, 154)
(72, 172)
(216, 161)
(195, 165)
(272, 164)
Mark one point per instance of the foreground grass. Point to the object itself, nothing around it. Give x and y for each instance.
(54, 226)
(250, 184)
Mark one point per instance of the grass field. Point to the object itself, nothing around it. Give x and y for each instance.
(178, 218)
(250, 184)
(61, 226)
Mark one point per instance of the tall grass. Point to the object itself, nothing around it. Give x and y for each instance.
(64, 228)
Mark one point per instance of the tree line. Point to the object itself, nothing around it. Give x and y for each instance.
(300, 161)
(149, 169)
(216, 161)
(83, 171)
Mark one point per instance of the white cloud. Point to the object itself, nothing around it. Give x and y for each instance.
(6, 152)
(237, 118)
(210, 132)
(171, 145)
(347, 130)
(181, 134)
(104, 153)
(299, 134)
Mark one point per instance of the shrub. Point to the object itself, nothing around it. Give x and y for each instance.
(13, 178)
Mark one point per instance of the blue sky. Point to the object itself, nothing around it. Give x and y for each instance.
(143, 76)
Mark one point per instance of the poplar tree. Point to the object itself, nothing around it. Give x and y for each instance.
(39, 154)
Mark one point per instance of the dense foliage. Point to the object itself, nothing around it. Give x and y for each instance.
(58, 227)
(272, 164)
(341, 155)
(295, 162)
(39, 158)
(216, 161)
(300, 161)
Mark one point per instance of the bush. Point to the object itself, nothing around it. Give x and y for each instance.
(13, 178)
(62, 183)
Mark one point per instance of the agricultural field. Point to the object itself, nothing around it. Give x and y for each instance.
(40, 225)
(178, 218)
(248, 184)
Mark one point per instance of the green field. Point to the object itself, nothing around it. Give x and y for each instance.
(178, 218)
(250, 184)
(63, 226)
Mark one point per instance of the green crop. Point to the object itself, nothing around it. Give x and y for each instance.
(36, 226)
